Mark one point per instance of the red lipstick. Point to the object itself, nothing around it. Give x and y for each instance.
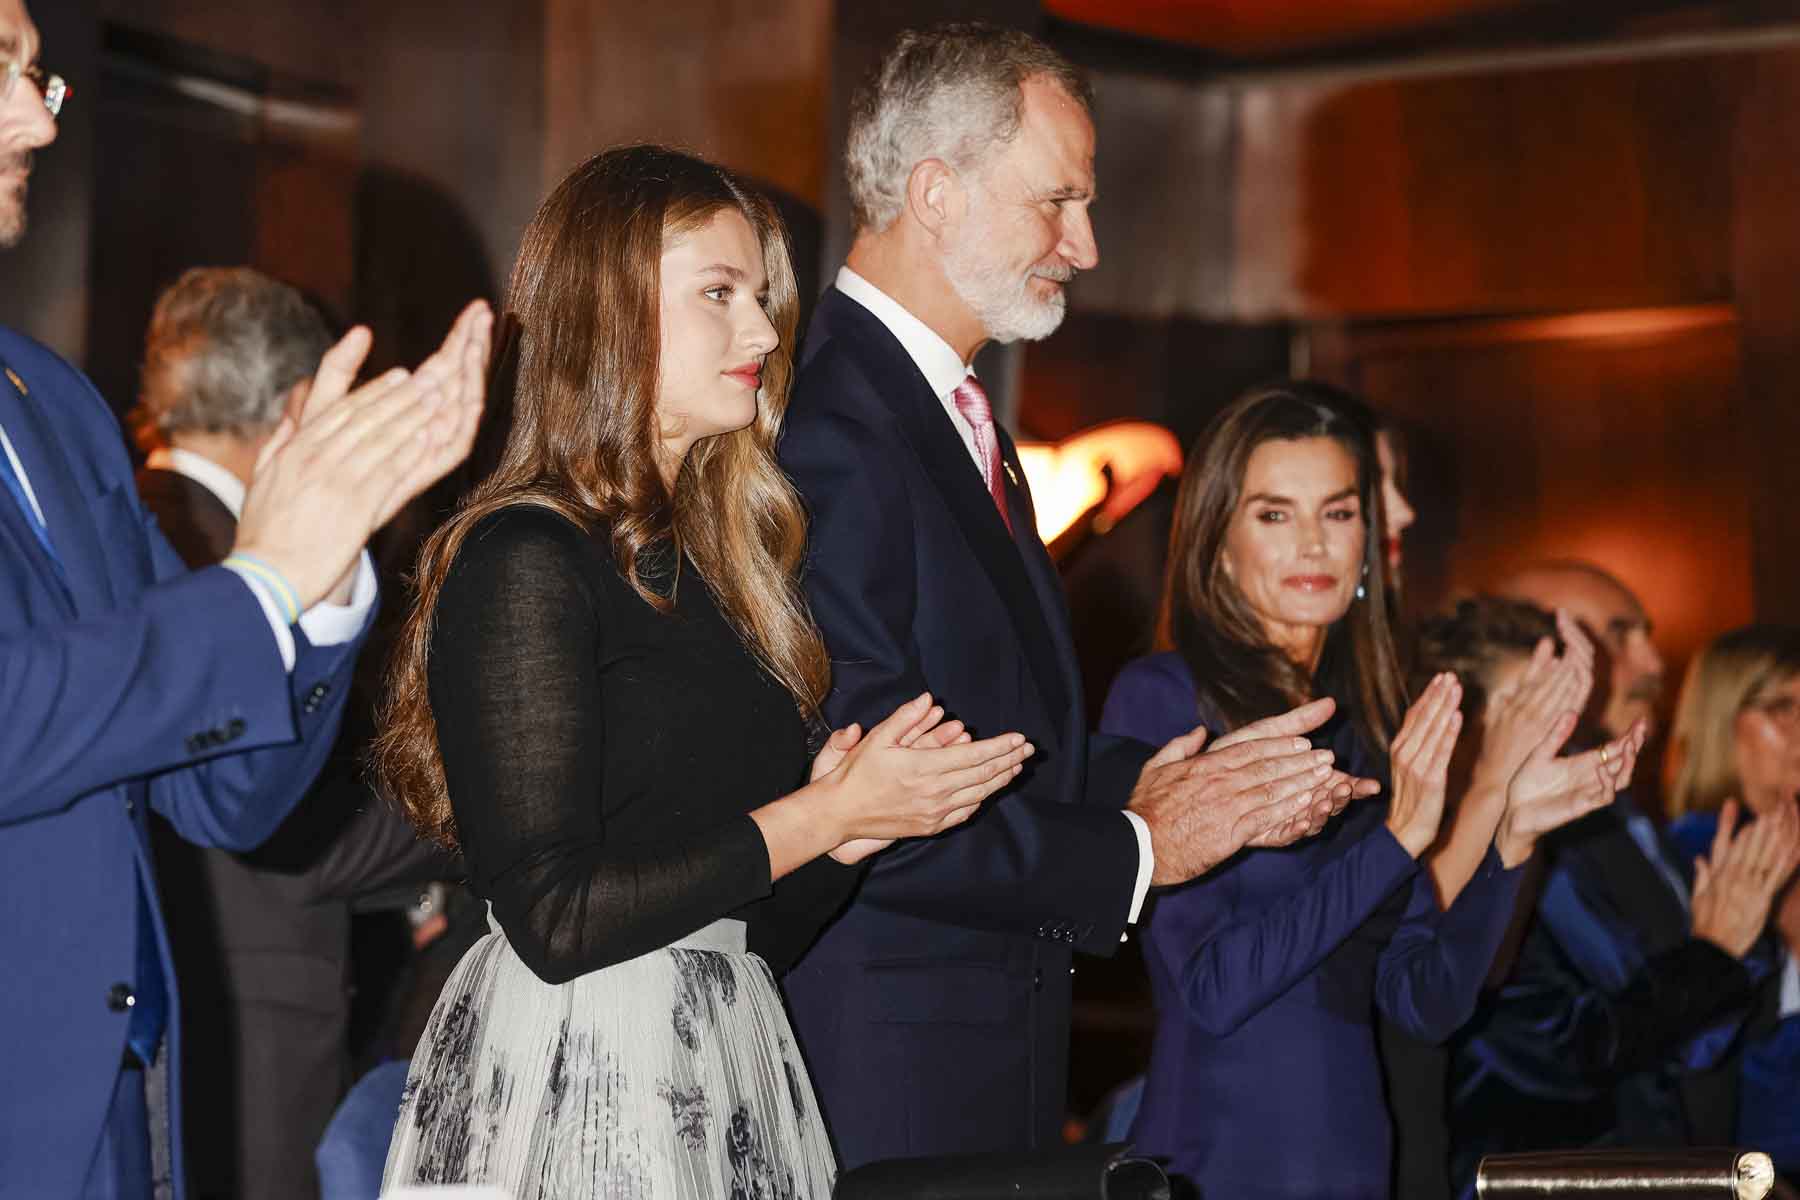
(1310, 583)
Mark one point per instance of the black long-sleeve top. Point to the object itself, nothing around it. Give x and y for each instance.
(603, 758)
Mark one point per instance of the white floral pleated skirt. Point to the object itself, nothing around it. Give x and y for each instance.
(674, 1075)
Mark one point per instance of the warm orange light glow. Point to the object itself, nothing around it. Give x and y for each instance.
(1067, 480)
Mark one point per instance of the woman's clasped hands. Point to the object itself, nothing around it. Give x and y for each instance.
(913, 775)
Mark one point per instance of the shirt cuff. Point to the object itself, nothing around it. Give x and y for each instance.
(1790, 986)
(1146, 867)
(284, 638)
(334, 624)
(324, 624)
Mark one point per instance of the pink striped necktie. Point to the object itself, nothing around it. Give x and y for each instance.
(972, 402)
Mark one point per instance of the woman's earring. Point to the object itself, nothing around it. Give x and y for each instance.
(1362, 591)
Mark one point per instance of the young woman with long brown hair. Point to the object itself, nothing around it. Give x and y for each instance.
(604, 696)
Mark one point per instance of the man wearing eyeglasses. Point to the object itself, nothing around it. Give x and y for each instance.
(131, 684)
(28, 126)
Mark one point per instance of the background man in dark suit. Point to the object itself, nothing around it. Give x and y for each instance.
(261, 939)
(133, 684)
(935, 1013)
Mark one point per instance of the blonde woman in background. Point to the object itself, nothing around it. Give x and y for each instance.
(1735, 749)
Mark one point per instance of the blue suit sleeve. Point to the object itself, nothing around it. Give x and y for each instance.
(1233, 959)
(175, 685)
(1430, 973)
(1026, 859)
(1152, 700)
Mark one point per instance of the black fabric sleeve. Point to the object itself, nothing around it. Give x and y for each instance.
(516, 690)
(1674, 996)
(785, 925)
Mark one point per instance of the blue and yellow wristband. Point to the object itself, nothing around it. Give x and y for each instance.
(286, 598)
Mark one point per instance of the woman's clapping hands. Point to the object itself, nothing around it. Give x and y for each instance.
(913, 775)
(1420, 761)
(1736, 884)
(1527, 726)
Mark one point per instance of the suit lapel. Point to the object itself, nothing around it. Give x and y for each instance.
(24, 430)
(65, 502)
(946, 460)
(1042, 571)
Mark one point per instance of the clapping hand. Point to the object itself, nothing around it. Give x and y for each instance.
(1262, 785)
(1420, 761)
(1519, 716)
(930, 732)
(1736, 884)
(913, 775)
(329, 478)
(1528, 725)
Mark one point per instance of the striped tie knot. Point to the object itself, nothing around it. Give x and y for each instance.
(972, 402)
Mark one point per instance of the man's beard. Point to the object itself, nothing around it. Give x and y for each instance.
(1005, 306)
(12, 199)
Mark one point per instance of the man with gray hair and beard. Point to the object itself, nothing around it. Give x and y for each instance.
(934, 1014)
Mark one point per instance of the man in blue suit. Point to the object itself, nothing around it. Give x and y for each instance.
(133, 684)
(935, 1013)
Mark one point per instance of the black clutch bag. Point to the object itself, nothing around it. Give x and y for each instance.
(1066, 1173)
(1688, 1174)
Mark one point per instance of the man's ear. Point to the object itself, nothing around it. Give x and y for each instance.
(293, 404)
(934, 195)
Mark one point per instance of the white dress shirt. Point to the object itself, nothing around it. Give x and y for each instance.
(324, 624)
(945, 370)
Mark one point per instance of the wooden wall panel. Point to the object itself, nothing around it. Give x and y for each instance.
(1540, 440)
(1766, 253)
(1596, 186)
(744, 81)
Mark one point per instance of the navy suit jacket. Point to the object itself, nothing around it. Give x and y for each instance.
(138, 685)
(935, 1013)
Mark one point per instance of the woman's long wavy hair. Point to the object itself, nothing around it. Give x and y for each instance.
(1736, 670)
(1205, 617)
(585, 300)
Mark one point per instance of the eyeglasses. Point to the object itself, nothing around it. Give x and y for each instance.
(52, 87)
(1783, 710)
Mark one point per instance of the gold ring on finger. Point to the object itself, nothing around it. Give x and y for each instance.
(1603, 756)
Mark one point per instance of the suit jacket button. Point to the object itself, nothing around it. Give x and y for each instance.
(1042, 930)
(119, 997)
(130, 807)
(195, 743)
(236, 728)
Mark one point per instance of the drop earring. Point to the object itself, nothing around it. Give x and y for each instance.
(1362, 590)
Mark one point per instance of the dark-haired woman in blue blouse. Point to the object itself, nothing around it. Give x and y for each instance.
(1268, 972)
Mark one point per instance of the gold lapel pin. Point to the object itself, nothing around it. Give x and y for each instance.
(1012, 474)
(17, 382)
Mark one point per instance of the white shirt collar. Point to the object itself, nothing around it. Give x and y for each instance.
(942, 367)
(228, 488)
